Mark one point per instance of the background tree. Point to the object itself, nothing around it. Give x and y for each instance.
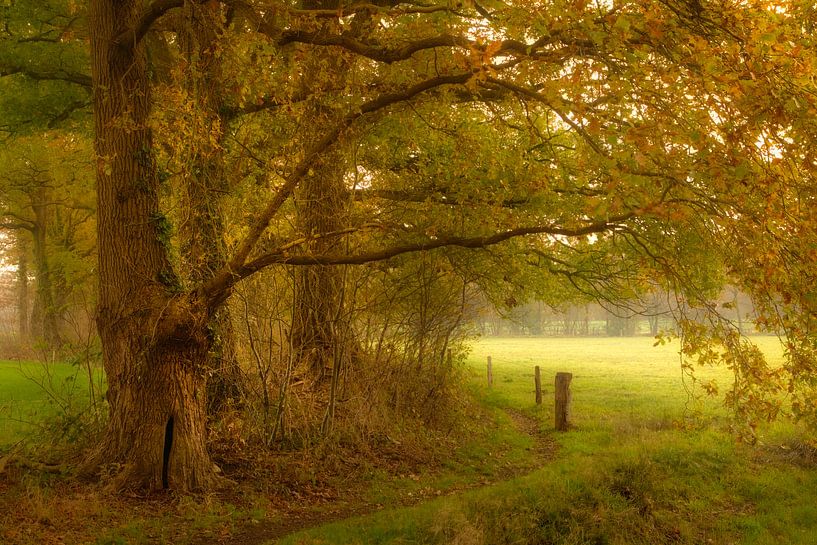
(321, 204)
(48, 205)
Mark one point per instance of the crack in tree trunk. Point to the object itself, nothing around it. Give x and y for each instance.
(166, 454)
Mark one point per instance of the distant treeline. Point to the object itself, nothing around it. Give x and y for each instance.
(623, 319)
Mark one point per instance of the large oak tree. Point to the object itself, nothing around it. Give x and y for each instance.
(631, 129)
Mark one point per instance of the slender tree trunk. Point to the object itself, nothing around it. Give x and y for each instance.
(738, 315)
(654, 323)
(226, 383)
(44, 320)
(205, 180)
(586, 321)
(22, 289)
(154, 340)
(322, 204)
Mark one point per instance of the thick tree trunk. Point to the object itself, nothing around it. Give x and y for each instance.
(154, 340)
(157, 423)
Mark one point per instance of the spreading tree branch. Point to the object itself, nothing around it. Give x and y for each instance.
(372, 8)
(529, 93)
(225, 278)
(66, 112)
(16, 226)
(14, 221)
(131, 37)
(269, 103)
(282, 257)
(383, 54)
(83, 80)
(389, 55)
(429, 196)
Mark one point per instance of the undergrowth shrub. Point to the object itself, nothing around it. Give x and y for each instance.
(68, 411)
(398, 373)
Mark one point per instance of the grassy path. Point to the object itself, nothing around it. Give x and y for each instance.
(541, 448)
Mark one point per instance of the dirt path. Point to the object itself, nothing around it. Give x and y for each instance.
(543, 448)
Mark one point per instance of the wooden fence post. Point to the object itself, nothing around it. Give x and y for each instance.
(537, 379)
(490, 373)
(563, 399)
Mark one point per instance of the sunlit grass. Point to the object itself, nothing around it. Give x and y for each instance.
(612, 377)
(33, 392)
(648, 461)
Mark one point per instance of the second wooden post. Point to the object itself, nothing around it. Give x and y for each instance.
(563, 399)
(490, 373)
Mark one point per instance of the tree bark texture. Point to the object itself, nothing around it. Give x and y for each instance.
(157, 422)
(154, 346)
(318, 288)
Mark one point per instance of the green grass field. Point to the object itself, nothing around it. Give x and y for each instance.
(32, 394)
(637, 468)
